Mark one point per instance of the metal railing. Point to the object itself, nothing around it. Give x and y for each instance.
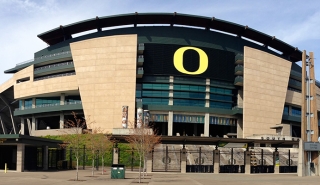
(73, 102)
(51, 105)
(54, 76)
(46, 56)
(53, 65)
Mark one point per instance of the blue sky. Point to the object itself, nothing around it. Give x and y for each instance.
(294, 22)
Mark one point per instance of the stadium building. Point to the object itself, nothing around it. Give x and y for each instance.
(195, 76)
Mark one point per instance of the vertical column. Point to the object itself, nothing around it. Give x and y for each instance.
(216, 161)
(183, 163)
(33, 124)
(20, 157)
(171, 90)
(170, 123)
(303, 117)
(149, 162)
(115, 155)
(301, 163)
(33, 103)
(239, 128)
(61, 120)
(22, 126)
(206, 124)
(62, 98)
(247, 162)
(276, 162)
(45, 156)
(207, 93)
(314, 112)
(195, 130)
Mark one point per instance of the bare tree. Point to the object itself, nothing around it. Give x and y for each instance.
(143, 139)
(73, 136)
(104, 145)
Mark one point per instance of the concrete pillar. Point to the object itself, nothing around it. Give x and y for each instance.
(115, 155)
(240, 128)
(33, 103)
(216, 161)
(195, 129)
(170, 123)
(207, 93)
(62, 98)
(45, 157)
(61, 120)
(301, 163)
(22, 126)
(20, 157)
(276, 162)
(33, 124)
(247, 162)
(149, 163)
(183, 164)
(206, 124)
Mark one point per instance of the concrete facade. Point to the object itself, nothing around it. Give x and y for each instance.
(106, 70)
(265, 86)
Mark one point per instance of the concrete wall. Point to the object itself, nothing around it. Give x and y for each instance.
(264, 91)
(106, 75)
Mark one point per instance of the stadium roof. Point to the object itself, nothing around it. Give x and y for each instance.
(62, 33)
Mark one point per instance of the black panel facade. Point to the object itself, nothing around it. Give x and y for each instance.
(158, 60)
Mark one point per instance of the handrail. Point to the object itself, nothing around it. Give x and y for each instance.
(53, 65)
(46, 56)
(54, 76)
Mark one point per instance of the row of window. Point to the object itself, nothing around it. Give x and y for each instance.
(294, 111)
(222, 121)
(47, 101)
(186, 102)
(194, 119)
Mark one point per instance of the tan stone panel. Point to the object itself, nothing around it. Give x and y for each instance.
(114, 77)
(263, 97)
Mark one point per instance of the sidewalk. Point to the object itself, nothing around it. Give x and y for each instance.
(158, 178)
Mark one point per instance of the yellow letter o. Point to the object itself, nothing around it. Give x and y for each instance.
(178, 60)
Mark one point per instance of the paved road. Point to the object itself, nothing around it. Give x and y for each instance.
(65, 178)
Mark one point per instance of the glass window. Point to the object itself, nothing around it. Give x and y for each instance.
(156, 86)
(220, 105)
(156, 101)
(189, 88)
(146, 93)
(181, 94)
(28, 103)
(296, 111)
(286, 110)
(220, 97)
(73, 100)
(43, 101)
(186, 102)
(220, 90)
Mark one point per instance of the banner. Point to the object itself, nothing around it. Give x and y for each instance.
(146, 117)
(139, 117)
(124, 116)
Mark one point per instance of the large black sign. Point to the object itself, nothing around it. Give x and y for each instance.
(159, 60)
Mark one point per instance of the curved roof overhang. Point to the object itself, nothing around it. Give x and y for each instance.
(62, 33)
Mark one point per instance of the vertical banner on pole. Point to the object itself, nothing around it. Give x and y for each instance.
(146, 117)
(124, 116)
(139, 117)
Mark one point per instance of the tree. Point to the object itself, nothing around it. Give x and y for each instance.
(97, 142)
(143, 139)
(73, 136)
(104, 145)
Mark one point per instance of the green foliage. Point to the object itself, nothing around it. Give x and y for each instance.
(125, 154)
